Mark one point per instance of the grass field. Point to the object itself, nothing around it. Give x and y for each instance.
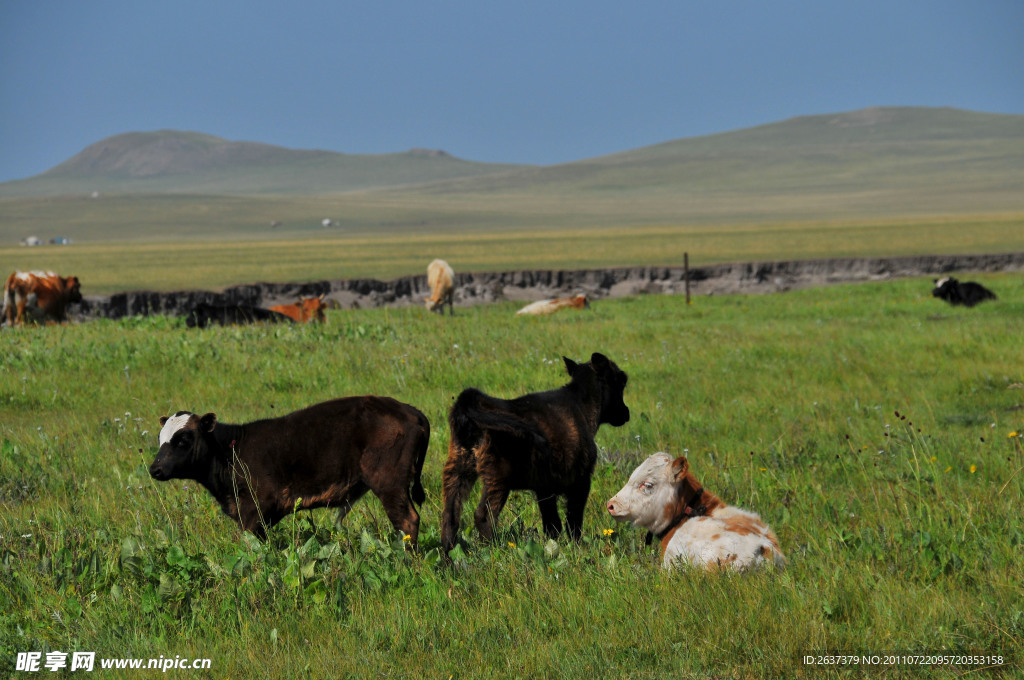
(198, 263)
(876, 429)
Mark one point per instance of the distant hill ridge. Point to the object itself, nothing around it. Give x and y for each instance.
(904, 154)
(168, 152)
(171, 161)
(147, 154)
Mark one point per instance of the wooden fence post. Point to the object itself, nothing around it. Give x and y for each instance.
(686, 275)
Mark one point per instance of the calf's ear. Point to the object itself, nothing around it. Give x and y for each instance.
(163, 420)
(599, 362)
(570, 366)
(207, 422)
(680, 466)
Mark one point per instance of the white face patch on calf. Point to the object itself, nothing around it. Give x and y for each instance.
(648, 492)
(939, 283)
(173, 424)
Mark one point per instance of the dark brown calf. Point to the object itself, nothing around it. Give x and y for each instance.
(542, 442)
(329, 454)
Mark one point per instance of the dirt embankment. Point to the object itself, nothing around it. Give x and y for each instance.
(479, 288)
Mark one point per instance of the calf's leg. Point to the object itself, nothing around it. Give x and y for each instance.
(250, 519)
(549, 515)
(576, 503)
(348, 499)
(492, 501)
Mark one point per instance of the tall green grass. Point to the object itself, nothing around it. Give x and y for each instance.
(870, 425)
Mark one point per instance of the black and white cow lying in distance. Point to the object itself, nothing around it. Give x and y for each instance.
(967, 293)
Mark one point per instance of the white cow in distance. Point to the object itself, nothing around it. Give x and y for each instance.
(441, 279)
(543, 307)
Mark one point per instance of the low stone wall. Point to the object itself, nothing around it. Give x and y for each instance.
(525, 285)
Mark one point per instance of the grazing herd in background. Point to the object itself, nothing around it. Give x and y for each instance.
(332, 453)
(43, 297)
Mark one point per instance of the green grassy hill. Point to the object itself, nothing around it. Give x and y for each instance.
(876, 164)
(884, 149)
(175, 162)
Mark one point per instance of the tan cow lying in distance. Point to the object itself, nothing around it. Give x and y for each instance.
(694, 525)
(305, 310)
(441, 279)
(541, 307)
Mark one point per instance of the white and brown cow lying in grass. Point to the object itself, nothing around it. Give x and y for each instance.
(542, 307)
(693, 524)
(441, 279)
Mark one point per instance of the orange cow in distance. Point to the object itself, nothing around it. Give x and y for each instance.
(305, 310)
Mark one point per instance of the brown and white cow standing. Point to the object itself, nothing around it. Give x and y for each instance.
(327, 454)
(694, 525)
(441, 279)
(541, 442)
(305, 310)
(39, 297)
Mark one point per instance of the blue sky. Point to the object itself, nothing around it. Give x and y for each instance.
(526, 82)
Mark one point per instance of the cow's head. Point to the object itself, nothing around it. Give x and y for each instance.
(73, 289)
(581, 302)
(184, 450)
(651, 498)
(944, 286)
(312, 309)
(609, 379)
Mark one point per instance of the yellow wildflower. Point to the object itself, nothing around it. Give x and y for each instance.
(609, 532)
(1012, 435)
(511, 544)
(973, 469)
